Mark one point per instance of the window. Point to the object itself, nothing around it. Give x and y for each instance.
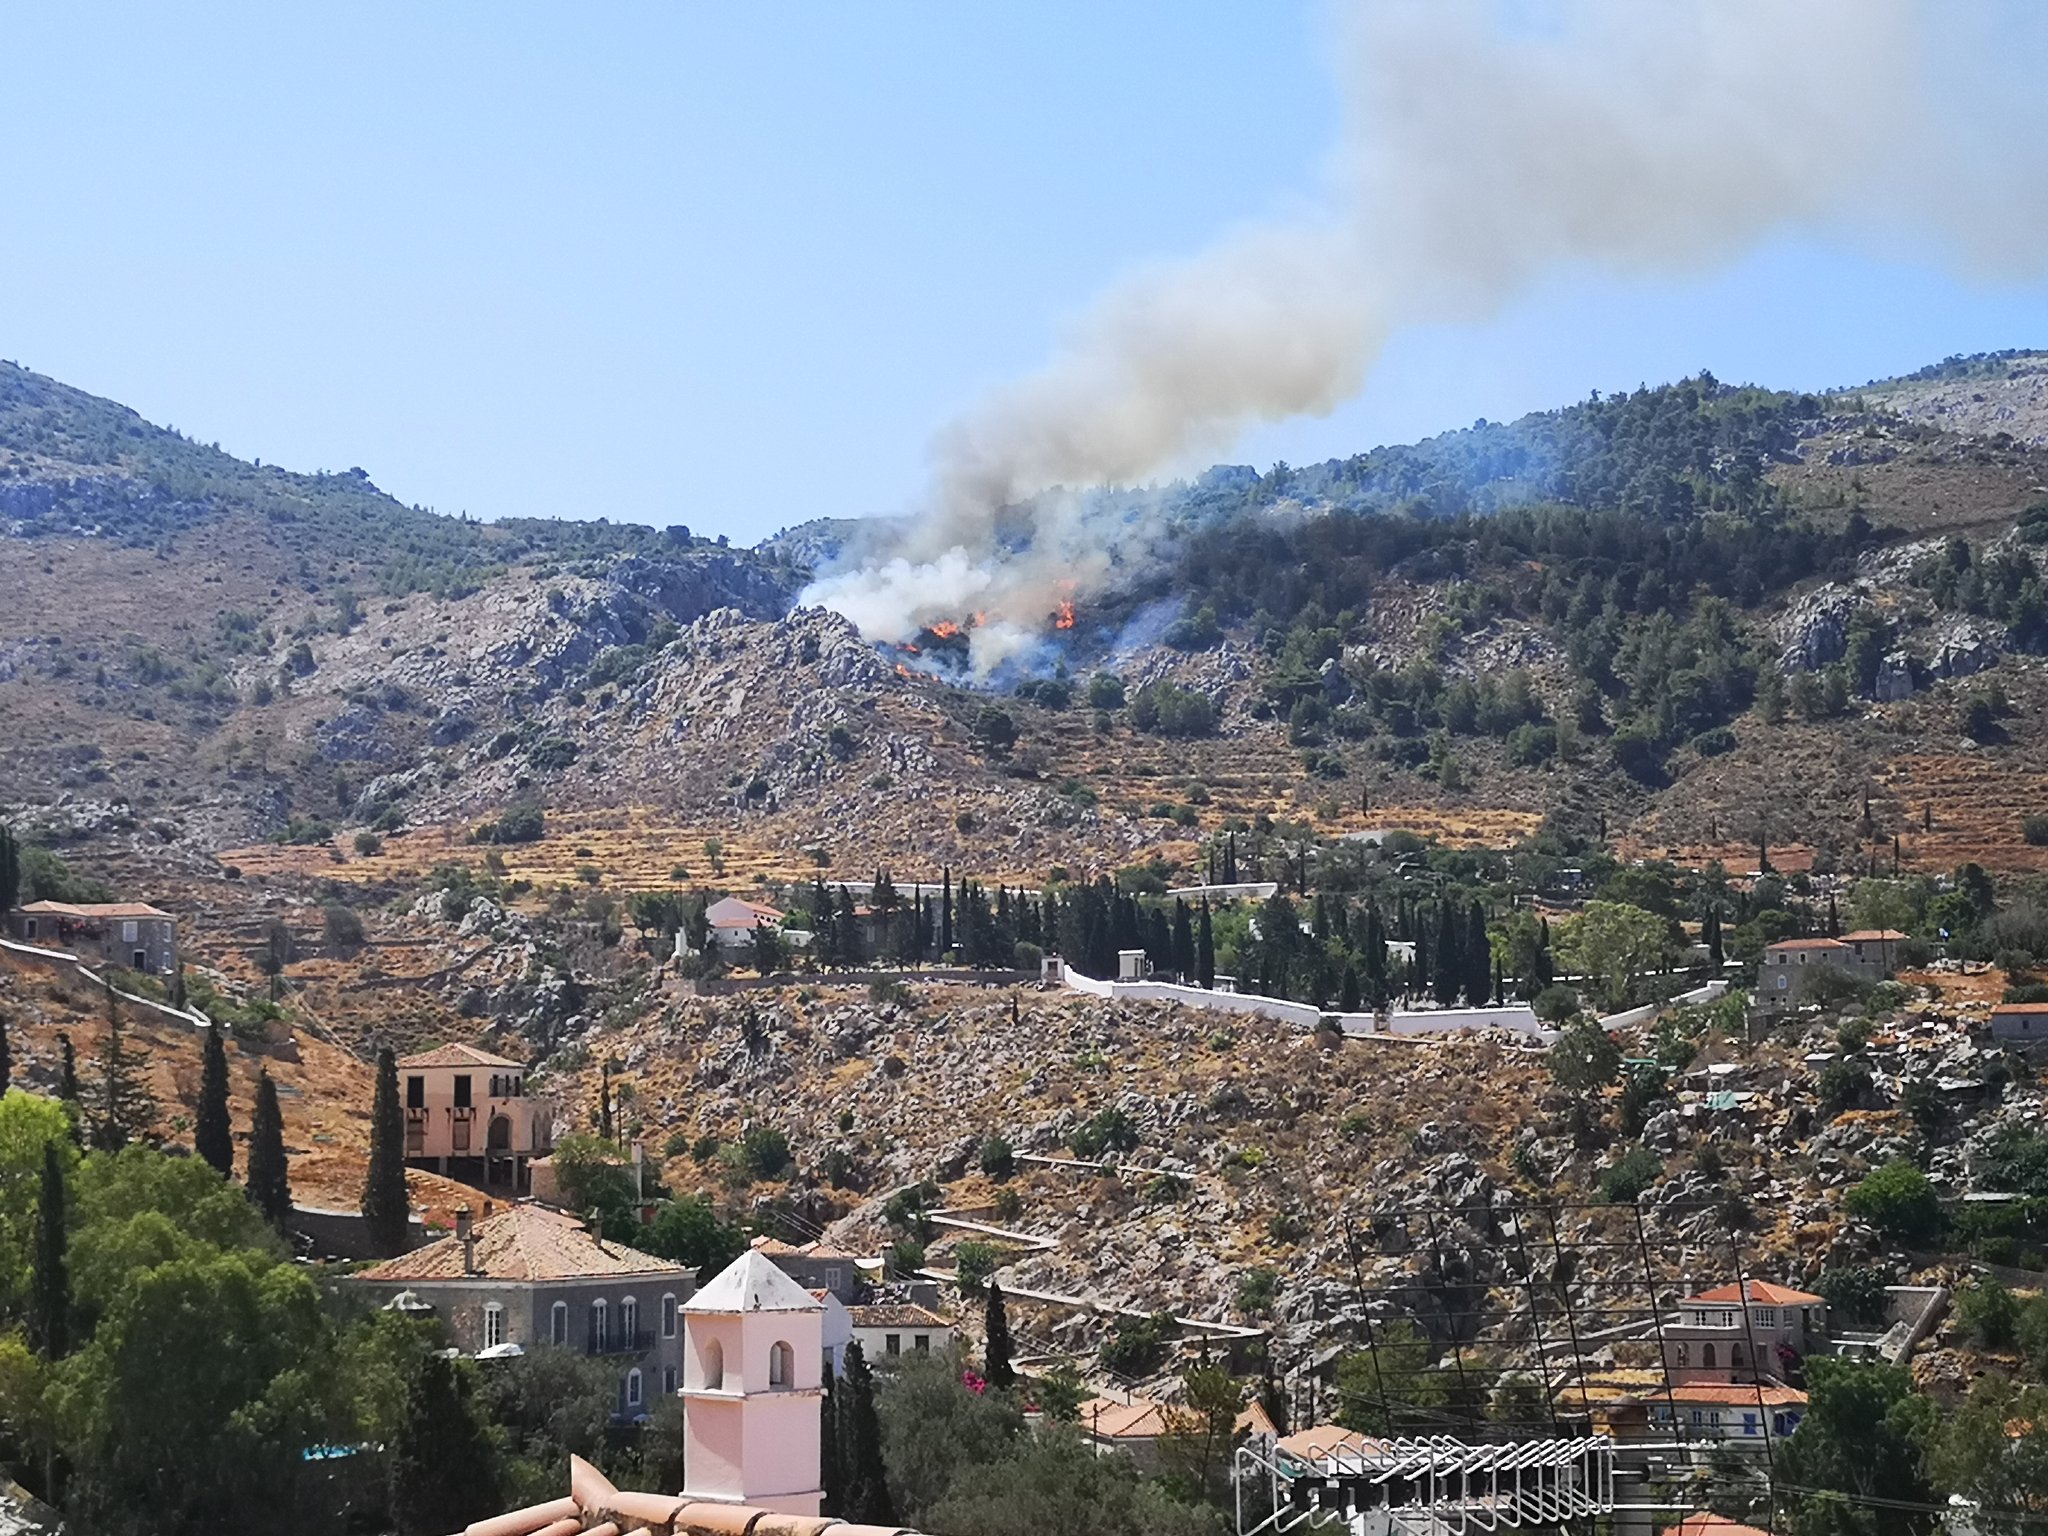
(28, 929)
(1707, 1356)
(463, 1099)
(892, 1343)
(714, 1366)
(1684, 1354)
(922, 1343)
(1699, 1319)
(633, 1396)
(415, 1093)
(459, 1138)
(1735, 1354)
(558, 1323)
(494, 1325)
(1748, 1423)
(668, 1381)
(781, 1366)
(600, 1325)
(629, 1320)
(1767, 1317)
(668, 1315)
(139, 961)
(128, 931)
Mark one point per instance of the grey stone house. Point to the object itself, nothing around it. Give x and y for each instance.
(530, 1278)
(125, 933)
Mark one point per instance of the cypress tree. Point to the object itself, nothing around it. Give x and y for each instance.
(831, 1457)
(1350, 997)
(125, 1107)
(67, 1086)
(946, 911)
(6, 1057)
(212, 1137)
(1205, 950)
(1478, 958)
(1271, 1398)
(867, 1482)
(1449, 977)
(49, 1302)
(996, 1325)
(10, 868)
(1230, 860)
(443, 1470)
(604, 1096)
(1183, 941)
(269, 1182)
(385, 1210)
(1710, 931)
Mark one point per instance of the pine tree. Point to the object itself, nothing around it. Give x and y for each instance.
(124, 1108)
(213, 1136)
(1205, 949)
(996, 1326)
(443, 1467)
(386, 1212)
(269, 1185)
(49, 1302)
(867, 1481)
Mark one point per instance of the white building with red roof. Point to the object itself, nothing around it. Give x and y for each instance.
(1754, 1332)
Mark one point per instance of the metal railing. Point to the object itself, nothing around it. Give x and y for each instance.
(618, 1341)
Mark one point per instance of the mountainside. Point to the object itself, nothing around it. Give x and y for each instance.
(1712, 614)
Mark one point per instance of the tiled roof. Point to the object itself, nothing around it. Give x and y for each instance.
(1734, 1394)
(1874, 936)
(525, 1243)
(897, 1315)
(455, 1054)
(1107, 1419)
(1763, 1293)
(1807, 944)
(1999, 1008)
(1327, 1440)
(1706, 1524)
(96, 909)
(593, 1499)
(776, 1248)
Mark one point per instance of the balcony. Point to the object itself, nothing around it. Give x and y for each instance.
(617, 1341)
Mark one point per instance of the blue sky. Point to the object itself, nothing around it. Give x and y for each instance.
(731, 266)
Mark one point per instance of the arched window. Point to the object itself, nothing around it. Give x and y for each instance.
(668, 1315)
(633, 1394)
(494, 1325)
(629, 1321)
(558, 1323)
(1684, 1354)
(600, 1325)
(781, 1366)
(714, 1366)
(1735, 1356)
(1707, 1356)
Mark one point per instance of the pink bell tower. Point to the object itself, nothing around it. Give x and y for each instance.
(753, 1361)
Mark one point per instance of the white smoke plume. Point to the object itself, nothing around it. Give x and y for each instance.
(1486, 146)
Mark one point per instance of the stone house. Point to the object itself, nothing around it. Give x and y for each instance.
(132, 934)
(528, 1278)
(468, 1116)
(1755, 1332)
(2020, 1023)
(819, 1266)
(1788, 970)
(888, 1329)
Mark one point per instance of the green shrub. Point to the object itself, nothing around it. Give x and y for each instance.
(1899, 1202)
(973, 1263)
(1630, 1175)
(764, 1151)
(998, 1159)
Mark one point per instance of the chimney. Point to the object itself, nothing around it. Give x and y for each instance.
(466, 1230)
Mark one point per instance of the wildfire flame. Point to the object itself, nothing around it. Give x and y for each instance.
(945, 629)
(903, 671)
(1065, 618)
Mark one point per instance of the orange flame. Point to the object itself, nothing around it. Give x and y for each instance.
(915, 650)
(945, 629)
(1065, 620)
(903, 671)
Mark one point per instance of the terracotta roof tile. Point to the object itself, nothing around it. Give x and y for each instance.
(1807, 944)
(1763, 1293)
(525, 1242)
(1107, 1419)
(897, 1315)
(96, 909)
(1874, 936)
(1734, 1394)
(456, 1054)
